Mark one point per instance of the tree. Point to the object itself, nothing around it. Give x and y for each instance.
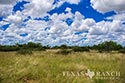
(107, 46)
(8, 48)
(63, 46)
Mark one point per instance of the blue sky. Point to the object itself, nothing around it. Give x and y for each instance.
(84, 7)
(57, 22)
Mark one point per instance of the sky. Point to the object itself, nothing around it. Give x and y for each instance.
(57, 22)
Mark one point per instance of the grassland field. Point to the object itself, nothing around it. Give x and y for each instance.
(49, 67)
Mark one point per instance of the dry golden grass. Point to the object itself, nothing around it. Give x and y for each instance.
(47, 66)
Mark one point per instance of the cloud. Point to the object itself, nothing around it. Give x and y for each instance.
(100, 28)
(106, 31)
(16, 18)
(60, 2)
(3, 23)
(56, 30)
(72, 1)
(6, 7)
(38, 8)
(120, 16)
(59, 32)
(5, 10)
(104, 6)
(8, 1)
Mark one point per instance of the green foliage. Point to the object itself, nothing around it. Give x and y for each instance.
(18, 47)
(8, 48)
(63, 47)
(107, 46)
(80, 49)
(55, 47)
(24, 52)
(122, 51)
(100, 50)
(33, 46)
(64, 52)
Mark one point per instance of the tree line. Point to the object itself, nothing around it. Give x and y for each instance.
(107, 46)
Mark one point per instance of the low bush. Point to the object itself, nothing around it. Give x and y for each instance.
(100, 51)
(24, 52)
(80, 49)
(8, 48)
(64, 52)
(122, 51)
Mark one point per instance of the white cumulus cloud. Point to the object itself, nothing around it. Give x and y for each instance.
(104, 6)
(17, 18)
(38, 8)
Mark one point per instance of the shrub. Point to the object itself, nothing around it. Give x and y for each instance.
(100, 51)
(107, 46)
(63, 47)
(80, 49)
(33, 46)
(24, 52)
(122, 51)
(64, 52)
(8, 48)
(39, 49)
